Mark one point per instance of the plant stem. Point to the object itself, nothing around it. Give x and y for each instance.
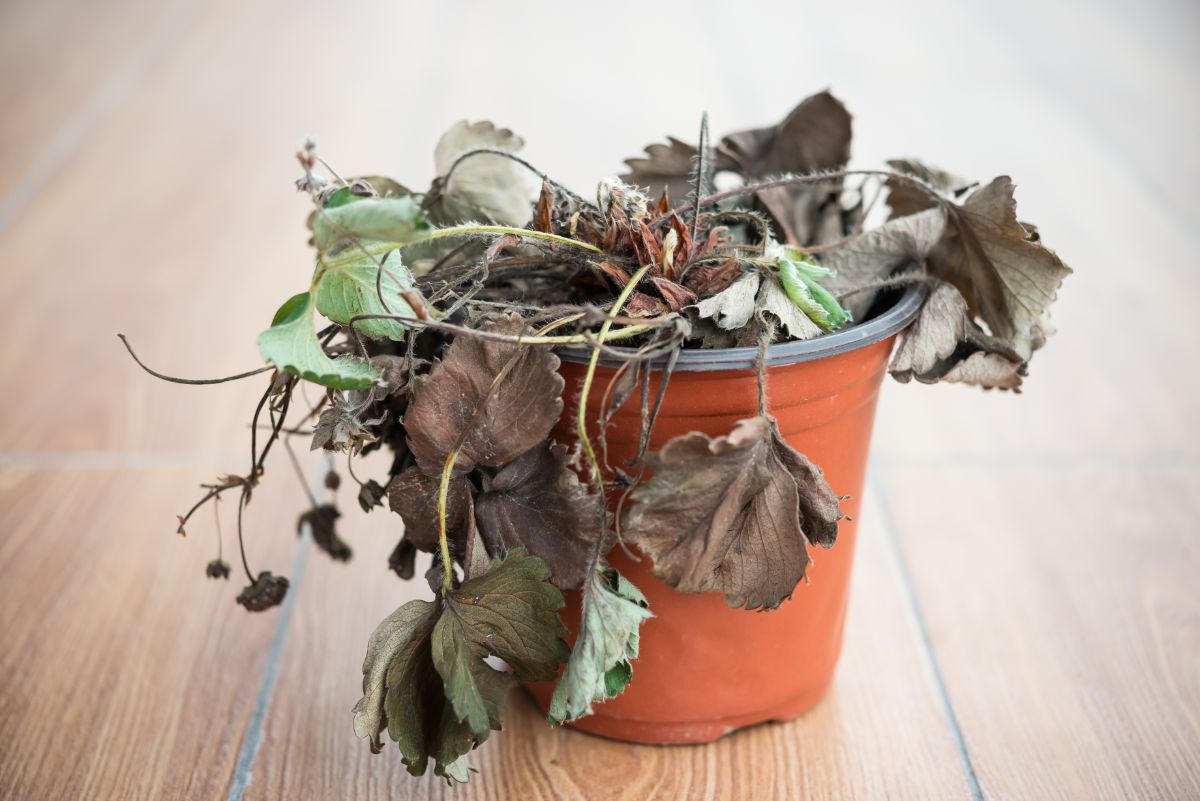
(581, 415)
(443, 539)
(459, 230)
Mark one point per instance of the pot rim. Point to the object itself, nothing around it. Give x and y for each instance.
(878, 328)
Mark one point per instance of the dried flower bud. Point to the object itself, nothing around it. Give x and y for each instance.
(266, 591)
(371, 495)
(217, 568)
(321, 520)
(332, 480)
(403, 559)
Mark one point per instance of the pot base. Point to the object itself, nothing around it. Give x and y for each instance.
(684, 732)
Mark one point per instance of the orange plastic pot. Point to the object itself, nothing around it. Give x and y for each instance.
(706, 669)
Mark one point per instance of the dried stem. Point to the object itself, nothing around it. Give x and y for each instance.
(175, 380)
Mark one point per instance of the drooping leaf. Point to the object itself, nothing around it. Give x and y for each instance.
(599, 669)
(346, 289)
(403, 559)
(413, 494)
(875, 254)
(370, 494)
(1008, 278)
(905, 199)
(403, 693)
(291, 344)
(665, 167)
(504, 409)
(725, 514)
(538, 503)
(484, 186)
(321, 521)
(393, 219)
(943, 336)
(264, 592)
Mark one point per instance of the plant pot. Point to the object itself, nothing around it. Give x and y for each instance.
(707, 669)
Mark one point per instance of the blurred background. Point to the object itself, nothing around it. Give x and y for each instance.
(1025, 622)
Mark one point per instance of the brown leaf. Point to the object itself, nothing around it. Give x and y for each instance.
(905, 199)
(664, 168)
(875, 254)
(676, 295)
(321, 521)
(642, 305)
(543, 216)
(370, 494)
(1007, 280)
(944, 337)
(538, 503)
(500, 422)
(725, 514)
(414, 496)
(403, 559)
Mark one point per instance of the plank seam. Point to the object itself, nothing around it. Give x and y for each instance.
(252, 740)
(960, 744)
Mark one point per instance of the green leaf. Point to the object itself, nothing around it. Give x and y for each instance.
(291, 344)
(402, 692)
(799, 278)
(347, 289)
(393, 219)
(599, 668)
(509, 612)
(341, 197)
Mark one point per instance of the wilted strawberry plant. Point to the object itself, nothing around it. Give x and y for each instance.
(433, 326)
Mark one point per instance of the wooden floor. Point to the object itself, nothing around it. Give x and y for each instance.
(1025, 621)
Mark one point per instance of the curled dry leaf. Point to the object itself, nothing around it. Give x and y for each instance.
(944, 338)
(321, 521)
(727, 514)
(413, 495)
(905, 199)
(599, 669)
(485, 185)
(264, 592)
(403, 559)
(370, 494)
(732, 308)
(664, 168)
(538, 503)
(425, 679)
(504, 409)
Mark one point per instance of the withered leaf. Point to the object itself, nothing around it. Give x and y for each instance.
(264, 592)
(905, 199)
(875, 254)
(732, 308)
(599, 669)
(726, 514)
(1007, 278)
(773, 299)
(403, 693)
(414, 496)
(676, 295)
(944, 339)
(665, 167)
(538, 503)
(321, 522)
(503, 415)
(486, 185)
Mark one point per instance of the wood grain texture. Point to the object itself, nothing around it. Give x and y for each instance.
(127, 673)
(848, 746)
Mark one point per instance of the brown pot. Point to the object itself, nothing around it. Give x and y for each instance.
(706, 669)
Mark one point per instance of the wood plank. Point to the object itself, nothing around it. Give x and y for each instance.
(127, 673)
(880, 733)
(1061, 602)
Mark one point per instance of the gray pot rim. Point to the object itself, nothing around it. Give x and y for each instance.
(895, 319)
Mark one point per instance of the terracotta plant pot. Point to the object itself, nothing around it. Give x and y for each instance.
(706, 669)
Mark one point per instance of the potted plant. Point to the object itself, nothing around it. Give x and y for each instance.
(617, 424)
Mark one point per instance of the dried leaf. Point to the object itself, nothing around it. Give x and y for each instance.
(321, 522)
(875, 254)
(538, 503)
(905, 199)
(1007, 279)
(502, 421)
(403, 693)
(676, 295)
(725, 514)
(403, 559)
(413, 495)
(485, 185)
(732, 308)
(664, 168)
(291, 344)
(264, 592)
(599, 669)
